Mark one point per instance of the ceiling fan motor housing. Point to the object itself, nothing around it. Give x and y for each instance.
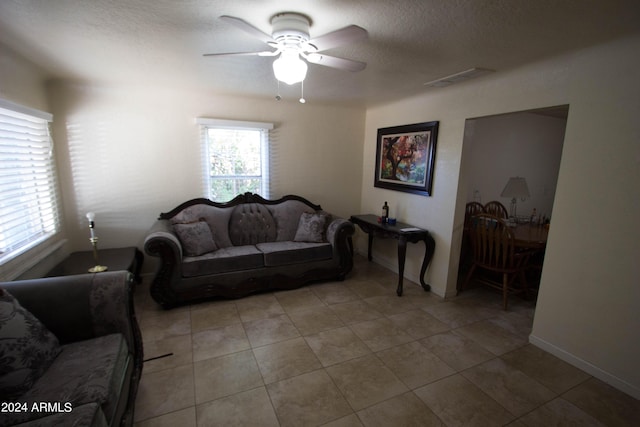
(290, 28)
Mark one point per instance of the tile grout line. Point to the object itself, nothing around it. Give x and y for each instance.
(384, 315)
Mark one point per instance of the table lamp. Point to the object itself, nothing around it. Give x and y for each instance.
(94, 242)
(516, 188)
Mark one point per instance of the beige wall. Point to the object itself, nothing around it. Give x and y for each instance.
(128, 154)
(519, 144)
(131, 154)
(535, 86)
(589, 301)
(21, 81)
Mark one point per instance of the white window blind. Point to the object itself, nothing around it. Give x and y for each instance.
(28, 188)
(235, 158)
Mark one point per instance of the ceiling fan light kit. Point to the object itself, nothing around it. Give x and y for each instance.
(294, 48)
(290, 31)
(291, 28)
(289, 68)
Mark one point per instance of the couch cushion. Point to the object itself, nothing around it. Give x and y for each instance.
(217, 218)
(285, 253)
(223, 260)
(195, 237)
(251, 223)
(86, 371)
(286, 215)
(27, 348)
(311, 228)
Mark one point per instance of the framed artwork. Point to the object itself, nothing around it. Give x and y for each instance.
(405, 157)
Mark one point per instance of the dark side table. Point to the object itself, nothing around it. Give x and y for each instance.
(115, 259)
(403, 233)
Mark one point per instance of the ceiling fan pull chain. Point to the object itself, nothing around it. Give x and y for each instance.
(302, 100)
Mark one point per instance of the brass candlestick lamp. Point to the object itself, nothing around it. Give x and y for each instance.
(94, 242)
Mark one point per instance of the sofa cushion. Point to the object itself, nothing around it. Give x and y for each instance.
(217, 218)
(285, 253)
(287, 215)
(27, 348)
(223, 260)
(195, 237)
(88, 371)
(251, 223)
(311, 228)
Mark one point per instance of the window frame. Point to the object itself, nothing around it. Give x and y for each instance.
(263, 128)
(45, 238)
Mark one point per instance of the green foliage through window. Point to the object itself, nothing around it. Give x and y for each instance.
(235, 163)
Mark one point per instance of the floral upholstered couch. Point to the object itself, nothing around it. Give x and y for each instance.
(249, 244)
(70, 351)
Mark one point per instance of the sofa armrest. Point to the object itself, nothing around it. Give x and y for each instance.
(162, 242)
(161, 233)
(339, 232)
(339, 229)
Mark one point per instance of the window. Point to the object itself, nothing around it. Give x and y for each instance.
(28, 188)
(236, 158)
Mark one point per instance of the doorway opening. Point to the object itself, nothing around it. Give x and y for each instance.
(525, 144)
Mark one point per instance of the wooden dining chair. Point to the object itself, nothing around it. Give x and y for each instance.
(471, 209)
(496, 208)
(494, 250)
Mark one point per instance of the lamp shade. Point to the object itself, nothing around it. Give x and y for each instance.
(289, 68)
(516, 187)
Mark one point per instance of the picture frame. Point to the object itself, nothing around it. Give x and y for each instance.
(405, 157)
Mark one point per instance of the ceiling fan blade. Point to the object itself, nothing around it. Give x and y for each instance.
(248, 28)
(265, 53)
(335, 62)
(340, 37)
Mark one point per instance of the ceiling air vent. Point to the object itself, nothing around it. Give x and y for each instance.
(459, 77)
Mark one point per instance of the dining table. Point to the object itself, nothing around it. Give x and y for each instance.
(530, 236)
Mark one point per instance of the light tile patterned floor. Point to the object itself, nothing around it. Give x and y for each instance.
(354, 354)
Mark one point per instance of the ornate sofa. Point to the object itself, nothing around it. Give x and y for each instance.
(247, 245)
(71, 351)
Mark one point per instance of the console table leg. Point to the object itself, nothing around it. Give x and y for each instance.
(370, 246)
(402, 253)
(429, 249)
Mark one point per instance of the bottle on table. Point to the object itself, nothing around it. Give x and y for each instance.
(385, 213)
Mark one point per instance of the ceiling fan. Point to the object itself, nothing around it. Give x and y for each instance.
(291, 41)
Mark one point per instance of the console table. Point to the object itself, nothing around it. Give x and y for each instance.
(403, 233)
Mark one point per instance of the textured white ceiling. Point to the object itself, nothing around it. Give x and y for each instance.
(161, 42)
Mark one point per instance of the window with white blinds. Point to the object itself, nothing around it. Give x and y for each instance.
(28, 188)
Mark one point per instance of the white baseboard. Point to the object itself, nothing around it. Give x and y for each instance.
(592, 370)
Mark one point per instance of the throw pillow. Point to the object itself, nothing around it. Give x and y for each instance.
(27, 348)
(311, 228)
(196, 238)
